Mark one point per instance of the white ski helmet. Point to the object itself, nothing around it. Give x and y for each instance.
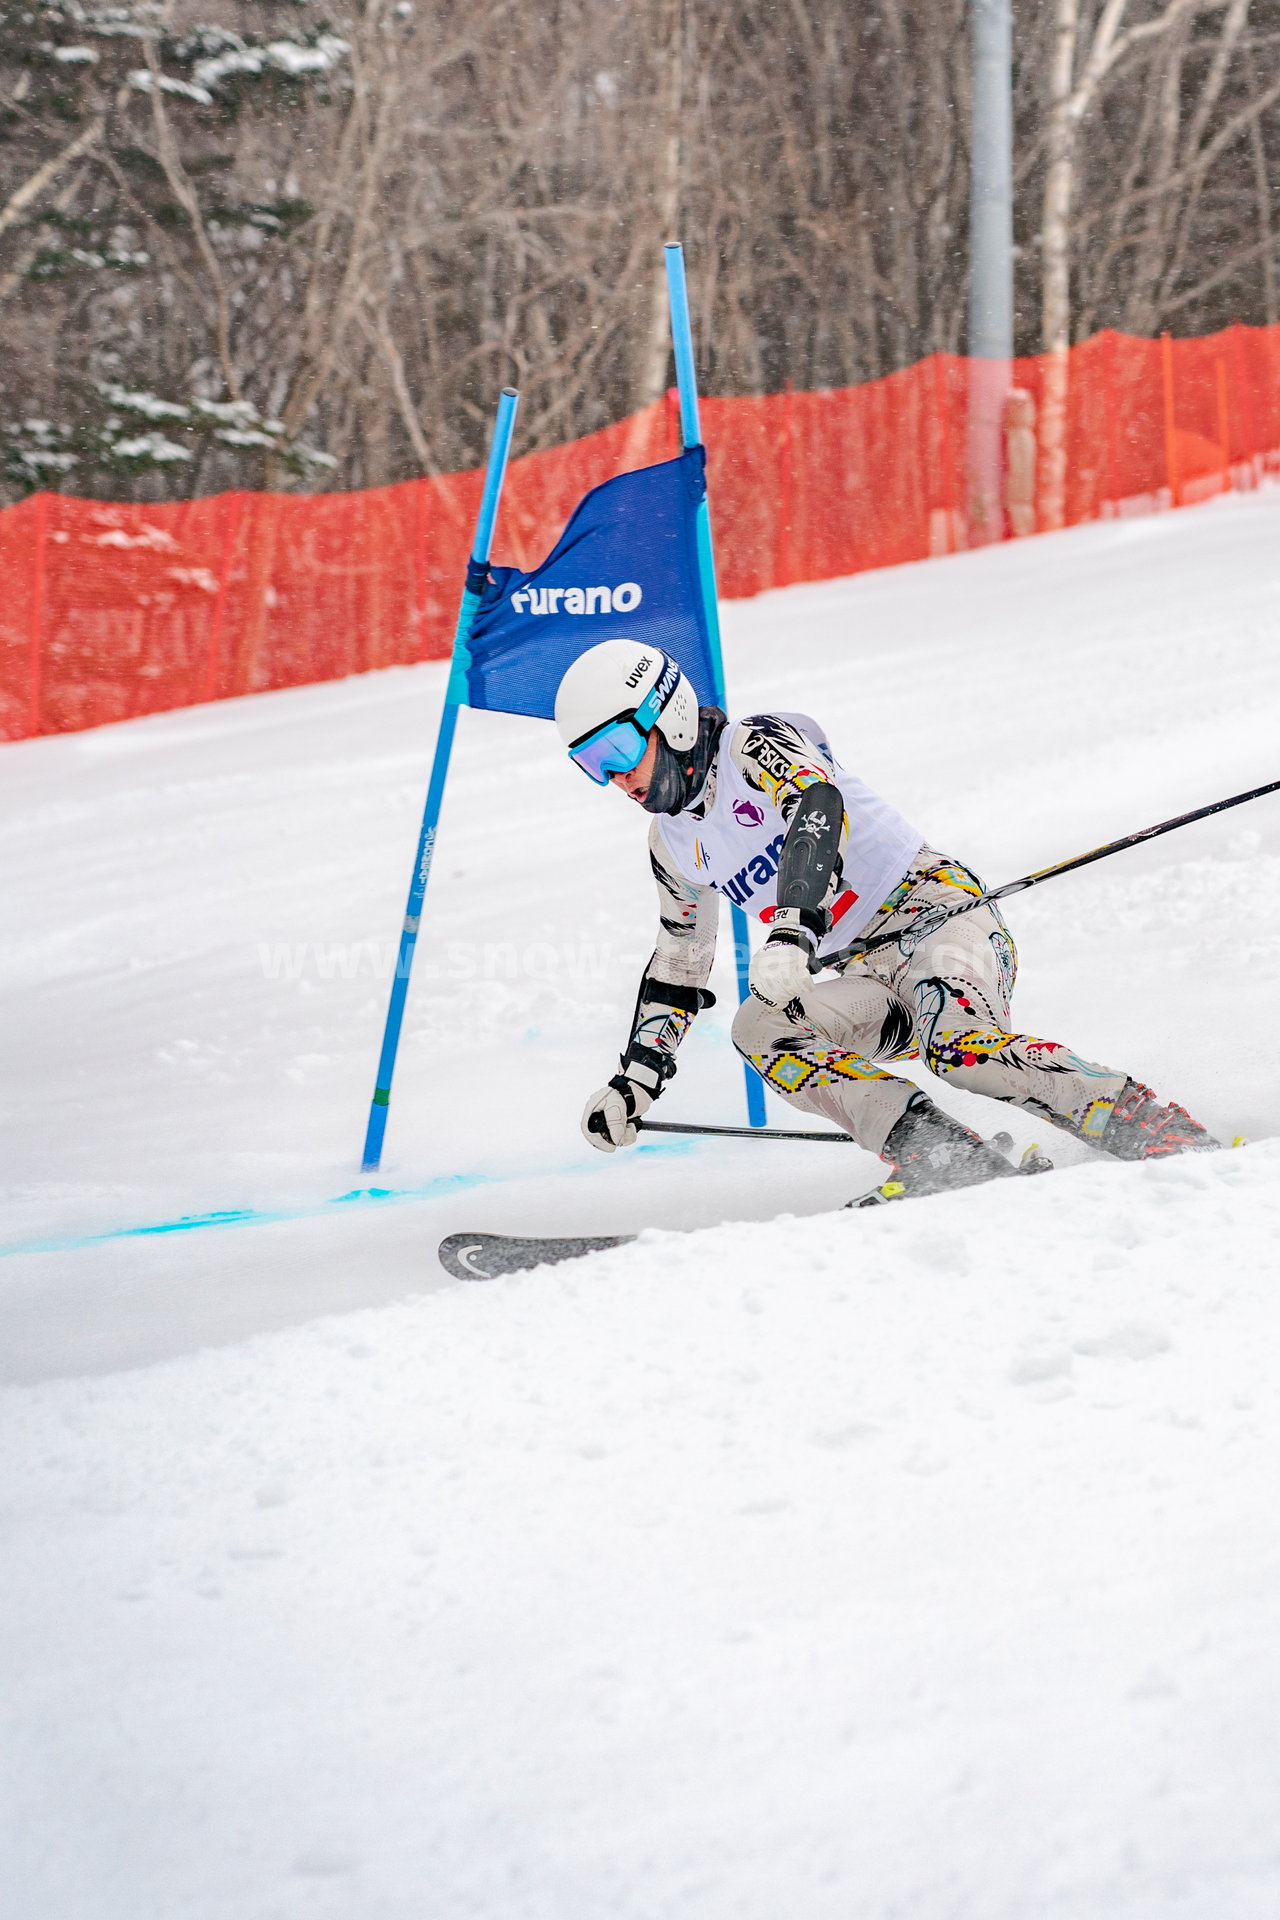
(613, 695)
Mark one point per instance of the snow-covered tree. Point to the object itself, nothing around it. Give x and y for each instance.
(119, 162)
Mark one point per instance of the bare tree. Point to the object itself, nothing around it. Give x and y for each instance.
(261, 252)
(1073, 92)
(655, 343)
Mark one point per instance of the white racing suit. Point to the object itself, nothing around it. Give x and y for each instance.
(945, 999)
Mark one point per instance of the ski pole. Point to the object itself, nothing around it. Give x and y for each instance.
(928, 923)
(744, 1133)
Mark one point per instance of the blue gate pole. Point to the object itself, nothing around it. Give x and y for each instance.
(455, 696)
(691, 434)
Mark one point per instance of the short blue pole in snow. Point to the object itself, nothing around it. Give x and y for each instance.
(455, 696)
(691, 434)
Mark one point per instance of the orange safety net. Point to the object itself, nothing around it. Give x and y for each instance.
(108, 611)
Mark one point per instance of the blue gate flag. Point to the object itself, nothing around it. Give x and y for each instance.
(625, 567)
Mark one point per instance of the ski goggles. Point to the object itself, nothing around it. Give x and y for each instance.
(615, 747)
(619, 744)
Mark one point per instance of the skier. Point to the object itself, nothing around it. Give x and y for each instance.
(760, 812)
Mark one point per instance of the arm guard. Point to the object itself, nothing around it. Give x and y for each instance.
(809, 864)
(663, 1015)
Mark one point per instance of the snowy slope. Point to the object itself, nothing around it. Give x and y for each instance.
(919, 1565)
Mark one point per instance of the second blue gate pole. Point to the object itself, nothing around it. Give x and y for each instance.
(691, 434)
(455, 696)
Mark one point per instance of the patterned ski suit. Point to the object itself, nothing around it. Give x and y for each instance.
(945, 998)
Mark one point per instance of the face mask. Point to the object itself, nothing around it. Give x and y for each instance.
(668, 786)
(679, 778)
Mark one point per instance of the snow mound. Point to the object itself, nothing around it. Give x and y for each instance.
(916, 1562)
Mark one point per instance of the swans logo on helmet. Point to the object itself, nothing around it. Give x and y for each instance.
(663, 687)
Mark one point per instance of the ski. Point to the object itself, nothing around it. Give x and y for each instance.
(487, 1256)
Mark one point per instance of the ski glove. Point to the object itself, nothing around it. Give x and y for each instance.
(780, 968)
(608, 1120)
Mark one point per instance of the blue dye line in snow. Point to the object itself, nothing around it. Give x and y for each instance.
(437, 1189)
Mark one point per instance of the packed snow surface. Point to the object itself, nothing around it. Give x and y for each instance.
(916, 1565)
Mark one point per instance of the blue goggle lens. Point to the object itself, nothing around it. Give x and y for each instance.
(614, 748)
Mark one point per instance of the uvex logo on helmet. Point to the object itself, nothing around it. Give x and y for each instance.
(621, 599)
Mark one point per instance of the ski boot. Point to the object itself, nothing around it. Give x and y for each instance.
(1141, 1129)
(932, 1153)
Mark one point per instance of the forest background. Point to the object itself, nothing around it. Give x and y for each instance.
(291, 245)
